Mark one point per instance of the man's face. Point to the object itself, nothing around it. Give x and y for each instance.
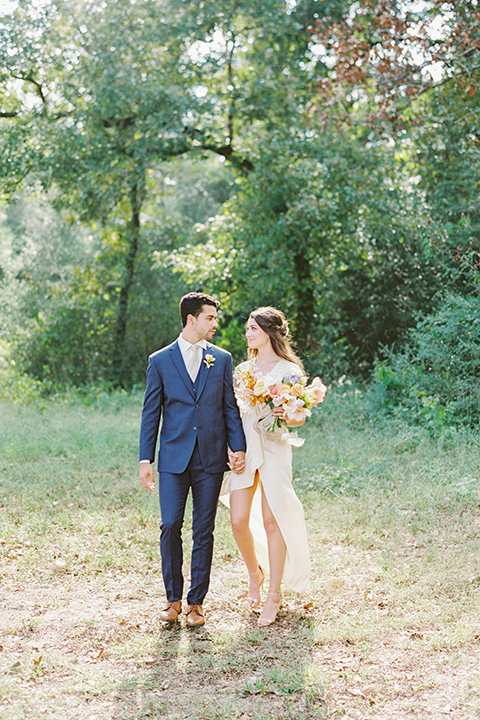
(206, 322)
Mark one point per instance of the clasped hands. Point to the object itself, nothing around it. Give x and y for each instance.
(236, 461)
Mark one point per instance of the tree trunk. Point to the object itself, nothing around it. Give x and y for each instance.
(119, 352)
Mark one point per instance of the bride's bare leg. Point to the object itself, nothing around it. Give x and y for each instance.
(277, 552)
(240, 508)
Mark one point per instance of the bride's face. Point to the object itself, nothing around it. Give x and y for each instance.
(256, 337)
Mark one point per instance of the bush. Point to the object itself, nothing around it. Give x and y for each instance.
(18, 388)
(15, 386)
(434, 381)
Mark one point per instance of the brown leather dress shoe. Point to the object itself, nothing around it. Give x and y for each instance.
(195, 616)
(171, 611)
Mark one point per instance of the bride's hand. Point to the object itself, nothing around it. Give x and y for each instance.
(280, 413)
(294, 423)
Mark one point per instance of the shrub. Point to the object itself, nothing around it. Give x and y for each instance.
(435, 380)
(15, 386)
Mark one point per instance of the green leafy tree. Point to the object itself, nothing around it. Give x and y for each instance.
(330, 231)
(409, 72)
(95, 97)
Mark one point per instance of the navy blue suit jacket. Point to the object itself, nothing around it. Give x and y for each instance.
(206, 410)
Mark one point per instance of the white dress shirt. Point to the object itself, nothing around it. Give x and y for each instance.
(186, 350)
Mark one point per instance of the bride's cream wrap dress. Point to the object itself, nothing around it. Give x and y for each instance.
(271, 456)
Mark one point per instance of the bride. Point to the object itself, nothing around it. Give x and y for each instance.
(267, 517)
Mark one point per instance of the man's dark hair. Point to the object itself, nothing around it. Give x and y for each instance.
(192, 304)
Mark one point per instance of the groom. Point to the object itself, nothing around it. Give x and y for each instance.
(189, 387)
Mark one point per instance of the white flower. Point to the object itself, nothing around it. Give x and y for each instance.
(209, 360)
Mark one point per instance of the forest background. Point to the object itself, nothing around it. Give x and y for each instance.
(320, 156)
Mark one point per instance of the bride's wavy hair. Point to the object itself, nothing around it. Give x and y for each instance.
(274, 323)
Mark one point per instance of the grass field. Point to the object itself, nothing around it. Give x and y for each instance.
(390, 629)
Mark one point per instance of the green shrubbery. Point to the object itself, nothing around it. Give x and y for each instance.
(435, 380)
(17, 387)
(432, 382)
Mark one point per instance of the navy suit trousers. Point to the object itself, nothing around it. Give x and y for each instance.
(174, 490)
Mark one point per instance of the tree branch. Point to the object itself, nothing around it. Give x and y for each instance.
(226, 151)
(29, 78)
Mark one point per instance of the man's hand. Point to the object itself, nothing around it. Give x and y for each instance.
(147, 477)
(236, 461)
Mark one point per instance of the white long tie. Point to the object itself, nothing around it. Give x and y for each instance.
(194, 361)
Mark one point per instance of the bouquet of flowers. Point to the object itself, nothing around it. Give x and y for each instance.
(292, 394)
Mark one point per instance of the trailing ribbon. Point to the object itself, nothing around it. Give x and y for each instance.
(263, 426)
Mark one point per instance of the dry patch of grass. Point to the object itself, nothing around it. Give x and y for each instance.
(390, 628)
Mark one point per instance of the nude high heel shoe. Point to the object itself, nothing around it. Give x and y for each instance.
(269, 612)
(254, 601)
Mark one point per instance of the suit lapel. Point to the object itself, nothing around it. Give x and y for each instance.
(204, 371)
(177, 360)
